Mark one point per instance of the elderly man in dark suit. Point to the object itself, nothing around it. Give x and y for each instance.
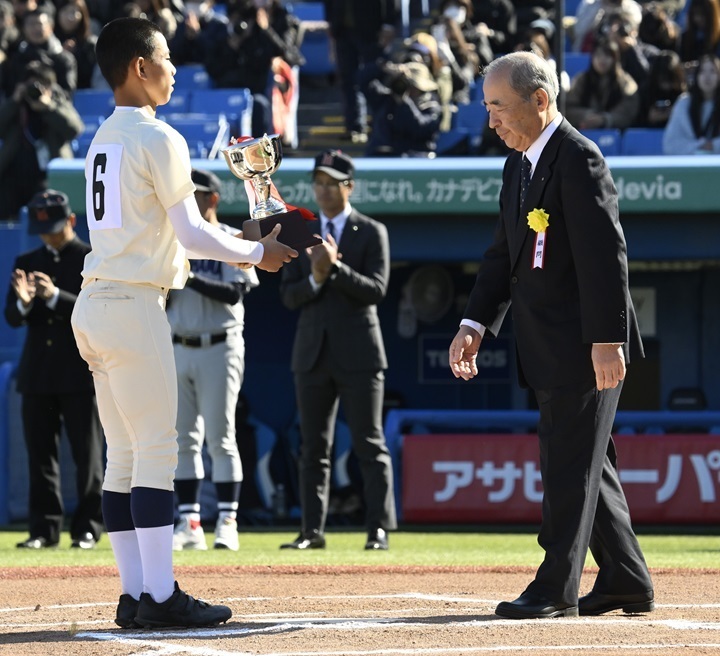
(559, 257)
(338, 352)
(54, 381)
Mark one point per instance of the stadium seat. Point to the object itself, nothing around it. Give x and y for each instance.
(642, 141)
(179, 102)
(313, 38)
(472, 116)
(191, 76)
(448, 142)
(204, 133)
(94, 102)
(608, 140)
(235, 104)
(576, 62)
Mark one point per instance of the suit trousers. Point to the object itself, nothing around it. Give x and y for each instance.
(583, 503)
(43, 415)
(318, 393)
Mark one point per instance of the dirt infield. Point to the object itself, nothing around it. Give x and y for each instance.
(358, 611)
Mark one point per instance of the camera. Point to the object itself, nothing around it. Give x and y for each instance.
(34, 90)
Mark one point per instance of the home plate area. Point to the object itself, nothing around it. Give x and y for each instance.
(353, 611)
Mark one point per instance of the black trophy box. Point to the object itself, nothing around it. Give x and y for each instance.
(294, 233)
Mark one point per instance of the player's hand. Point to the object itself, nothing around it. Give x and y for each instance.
(44, 286)
(463, 353)
(609, 365)
(276, 253)
(24, 286)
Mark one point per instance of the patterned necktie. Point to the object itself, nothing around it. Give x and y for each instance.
(525, 169)
(330, 230)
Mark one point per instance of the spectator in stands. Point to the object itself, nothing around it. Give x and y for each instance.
(406, 111)
(658, 29)
(260, 31)
(701, 35)
(604, 96)
(22, 7)
(635, 56)
(590, 14)
(202, 27)
(460, 44)
(528, 11)
(37, 123)
(694, 124)
(538, 38)
(73, 29)
(362, 31)
(495, 20)
(663, 87)
(40, 44)
(164, 14)
(9, 33)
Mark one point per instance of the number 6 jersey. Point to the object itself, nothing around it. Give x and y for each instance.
(136, 168)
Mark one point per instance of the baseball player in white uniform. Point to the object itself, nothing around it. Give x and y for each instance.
(207, 318)
(144, 223)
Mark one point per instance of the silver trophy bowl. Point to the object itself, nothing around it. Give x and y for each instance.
(256, 160)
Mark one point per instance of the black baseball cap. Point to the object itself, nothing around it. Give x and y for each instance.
(205, 181)
(48, 211)
(336, 164)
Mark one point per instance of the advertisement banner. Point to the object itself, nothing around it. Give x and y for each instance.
(668, 479)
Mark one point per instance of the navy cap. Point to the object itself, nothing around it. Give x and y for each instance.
(48, 211)
(205, 181)
(336, 164)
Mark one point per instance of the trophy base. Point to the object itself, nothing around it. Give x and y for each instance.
(294, 233)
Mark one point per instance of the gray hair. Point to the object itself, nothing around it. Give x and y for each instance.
(526, 73)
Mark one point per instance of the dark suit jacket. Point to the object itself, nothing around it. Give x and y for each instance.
(50, 362)
(366, 17)
(580, 296)
(344, 311)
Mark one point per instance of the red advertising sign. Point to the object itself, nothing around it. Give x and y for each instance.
(668, 479)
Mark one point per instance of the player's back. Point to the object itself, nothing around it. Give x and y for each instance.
(136, 168)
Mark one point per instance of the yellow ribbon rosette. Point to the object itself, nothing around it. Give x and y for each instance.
(538, 220)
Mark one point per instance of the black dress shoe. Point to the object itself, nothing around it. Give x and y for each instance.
(597, 603)
(529, 606)
(377, 540)
(84, 541)
(36, 543)
(309, 540)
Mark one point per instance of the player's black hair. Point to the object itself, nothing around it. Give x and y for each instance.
(121, 41)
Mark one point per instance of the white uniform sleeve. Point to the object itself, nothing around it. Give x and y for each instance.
(204, 241)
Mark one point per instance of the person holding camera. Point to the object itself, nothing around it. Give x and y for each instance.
(37, 124)
(406, 110)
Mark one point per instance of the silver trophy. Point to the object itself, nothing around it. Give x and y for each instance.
(256, 160)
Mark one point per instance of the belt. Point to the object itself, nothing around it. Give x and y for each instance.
(196, 341)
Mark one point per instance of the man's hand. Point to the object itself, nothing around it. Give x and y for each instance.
(609, 365)
(44, 286)
(322, 257)
(276, 253)
(24, 286)
(463, 353)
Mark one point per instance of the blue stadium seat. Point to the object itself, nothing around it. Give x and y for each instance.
(642, 141)
(94, 102)
(235, 104)
(191, 76)
(205, 133)
(446, 141)
(314, 43)
(576, 62)
(608, 140)
(179, 102)
(473, 116)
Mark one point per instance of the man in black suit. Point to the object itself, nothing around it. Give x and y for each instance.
(559, 257)
(338, 352)
(53, 380)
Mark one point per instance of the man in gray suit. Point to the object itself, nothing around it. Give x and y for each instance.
(338, 352)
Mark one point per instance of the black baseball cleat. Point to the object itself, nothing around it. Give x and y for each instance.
(36, 543)
(126, 611)
(180, 610)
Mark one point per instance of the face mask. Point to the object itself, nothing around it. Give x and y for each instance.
(458, 14)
